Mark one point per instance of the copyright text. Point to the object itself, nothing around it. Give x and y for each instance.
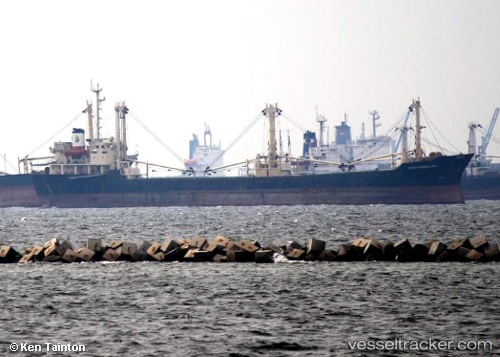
(46, 347)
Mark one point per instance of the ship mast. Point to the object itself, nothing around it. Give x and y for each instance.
(472, 137)
(89, 116)
(375, 117)
(209, 134)
(98, 107)
(121, 129)
(272, 148)
(418, 129)
(320, 118)
(404, 144)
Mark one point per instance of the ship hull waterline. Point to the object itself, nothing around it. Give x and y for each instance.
(485, 187)
(18, 191)
(430, 182)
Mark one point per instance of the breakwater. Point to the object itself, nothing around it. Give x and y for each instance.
(222, 249)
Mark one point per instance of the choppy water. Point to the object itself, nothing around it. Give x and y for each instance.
(208, 309)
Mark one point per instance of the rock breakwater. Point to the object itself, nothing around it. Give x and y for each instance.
(223, 249)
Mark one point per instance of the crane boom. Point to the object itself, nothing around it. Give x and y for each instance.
(486, 139)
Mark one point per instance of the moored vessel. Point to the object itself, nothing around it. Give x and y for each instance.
(481, 179)
(102, 174)
(17, 190)
(204, 155)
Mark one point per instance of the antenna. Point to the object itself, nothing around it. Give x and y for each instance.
(375, 117)
(98, 107)
(320, 118)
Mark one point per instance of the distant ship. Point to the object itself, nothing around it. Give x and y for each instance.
(102, 174)
(204, 156)
(481, 179)
(367, 153)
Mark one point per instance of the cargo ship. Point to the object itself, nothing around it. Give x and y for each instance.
(202, 156)
(18, 191)
(481, 178)
(320, 152)
(101, 174)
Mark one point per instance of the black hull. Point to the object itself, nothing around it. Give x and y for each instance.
(18, 191)
(436, 181)
(482, 187)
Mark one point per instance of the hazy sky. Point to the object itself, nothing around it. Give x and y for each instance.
(179, 64)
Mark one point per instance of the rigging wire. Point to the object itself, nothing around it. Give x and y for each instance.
(435, 127)
(386, 134)
(236, 140)
(8, 163)
(156, 137)
(493, 138)
(293, 121)
(53, 136)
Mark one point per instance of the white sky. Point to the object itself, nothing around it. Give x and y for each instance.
(179, 64)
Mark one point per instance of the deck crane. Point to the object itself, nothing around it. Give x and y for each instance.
(485, 140)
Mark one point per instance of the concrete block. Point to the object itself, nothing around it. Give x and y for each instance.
(360, 242)
(310, 257)
(51, 250)
(264, 256)
(84, 255)
(111, 255)
(257, 244)
(280, 249)
(345, 252)
(159, 257)
(457, 243)
(53, 241)
(315, 246)
(28, 258)
(388, 252)
(154, 248)
(246, 246)
(461, 254)
(491, 252)
(69, 256)
(214, 248)
(435, 250)
(145, 245)
(168, 245)
(63, 246)
(222, 241)
(295, 245)
(201, 256)
(474, 255)
(239, 256)
(94, 244)
(327, 255)
(139, 255)
(373, 250)
(174, 255)
(9, 255)
(38, 252)
(403, 246)
(296, 254)
(115, 244)
(419, 252)
(197, 242)
(478, 242)
(128, 249)
(219, 258)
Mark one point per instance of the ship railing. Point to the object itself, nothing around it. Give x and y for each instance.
(209, 170)
(148, 164)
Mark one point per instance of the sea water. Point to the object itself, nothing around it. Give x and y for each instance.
(245, 309)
